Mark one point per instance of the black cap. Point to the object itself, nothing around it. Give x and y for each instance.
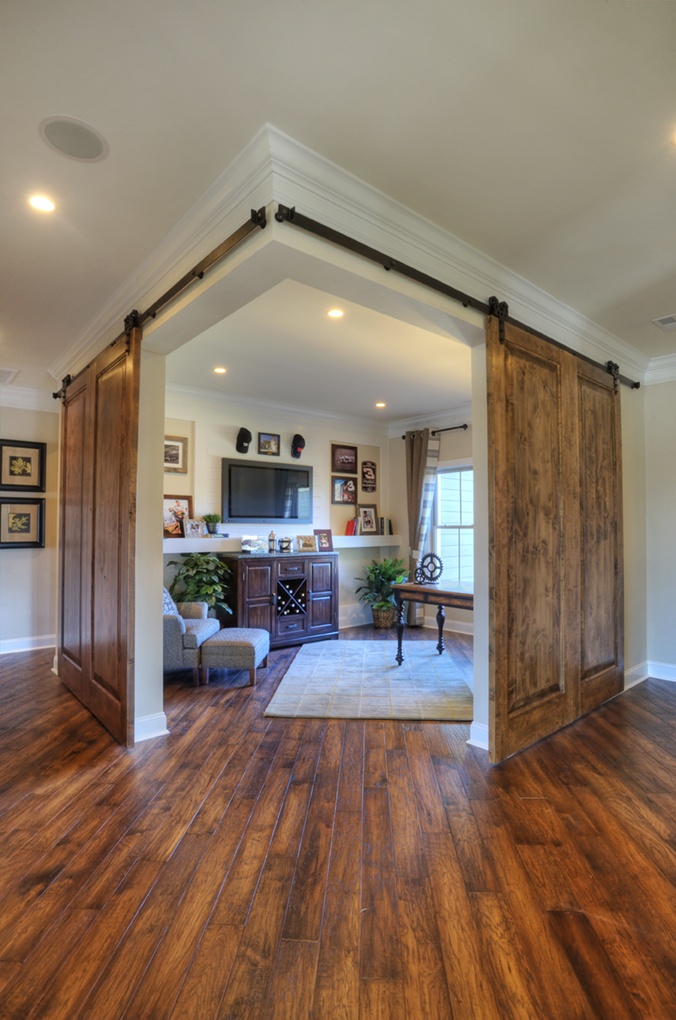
(297, 446)
(243, 440)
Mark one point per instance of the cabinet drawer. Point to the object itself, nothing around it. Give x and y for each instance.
(292, 568)
(291, 625)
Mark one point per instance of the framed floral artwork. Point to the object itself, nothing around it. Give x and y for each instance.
(22, 523)
(22, 465)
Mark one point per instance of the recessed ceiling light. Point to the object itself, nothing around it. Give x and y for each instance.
(381, 403)
(220, 370)
(335, 313)
(42, 203)
(74, 138)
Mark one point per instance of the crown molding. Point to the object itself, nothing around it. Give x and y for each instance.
(276, 168)
(25, 399)
(661, 370)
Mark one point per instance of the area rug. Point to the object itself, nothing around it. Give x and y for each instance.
(361, 680)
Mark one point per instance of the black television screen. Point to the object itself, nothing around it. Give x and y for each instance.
(254, 492)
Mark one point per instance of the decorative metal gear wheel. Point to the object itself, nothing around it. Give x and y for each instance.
(430, 569)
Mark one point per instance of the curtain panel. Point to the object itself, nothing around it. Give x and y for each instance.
(422, 458)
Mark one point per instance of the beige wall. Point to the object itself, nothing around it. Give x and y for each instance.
(660, 472)
(28, 576)
(634, 512)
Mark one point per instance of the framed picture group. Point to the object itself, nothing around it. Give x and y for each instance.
(22, 470)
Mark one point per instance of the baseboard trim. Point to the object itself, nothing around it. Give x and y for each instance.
(478, 736)
(148, 726)
(27, 644)
(662, 671)
(636, 675)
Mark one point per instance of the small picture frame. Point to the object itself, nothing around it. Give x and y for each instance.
(22, 523)
(22, 465)
(268, 444)
(176, 455)
(344, 459)
(193, 528)
(177, 509)
(343, 490)
(306, 543)
(368, 519)
(324, 539)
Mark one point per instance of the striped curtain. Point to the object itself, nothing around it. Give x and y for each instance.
(422, 457)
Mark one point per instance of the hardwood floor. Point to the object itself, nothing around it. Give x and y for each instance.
(251, 868)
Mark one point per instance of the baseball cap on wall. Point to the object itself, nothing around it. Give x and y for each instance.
(243, 440)
(297, 446)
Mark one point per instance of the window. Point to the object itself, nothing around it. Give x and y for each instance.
(453, 528)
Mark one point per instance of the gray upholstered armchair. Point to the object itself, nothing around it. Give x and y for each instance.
(186, 628)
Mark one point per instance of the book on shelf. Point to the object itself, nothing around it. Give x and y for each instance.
(351, 526)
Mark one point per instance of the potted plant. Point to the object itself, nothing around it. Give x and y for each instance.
(376, 591)
(212, 521)
(202, 577)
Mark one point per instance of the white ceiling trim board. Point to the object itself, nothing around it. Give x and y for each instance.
(661, 370)
(28, 399)
(275, 168)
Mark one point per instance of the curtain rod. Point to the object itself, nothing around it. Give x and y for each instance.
(451, 428)
(289, 214)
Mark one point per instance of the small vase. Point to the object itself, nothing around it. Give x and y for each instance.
(212, 527)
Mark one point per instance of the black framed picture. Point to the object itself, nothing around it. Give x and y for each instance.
(343, 490)
(176, 454)
(22, 523)
(22, 465)
(268, 444)
(344, 459)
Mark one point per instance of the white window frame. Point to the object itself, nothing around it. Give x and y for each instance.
(444, 466)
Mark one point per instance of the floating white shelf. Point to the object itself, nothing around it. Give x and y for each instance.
(209, 544)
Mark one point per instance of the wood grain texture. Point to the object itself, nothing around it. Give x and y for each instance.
(309, 869)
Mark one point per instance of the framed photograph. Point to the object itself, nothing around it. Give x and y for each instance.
(306, 543)
(177, 509)
(344, 459)
(192, 528)
(368, 476)
(176, 454)
(324, 539)
(22, 523)
(22, 465)
(268, 444)
(368, 519)
(343, 490)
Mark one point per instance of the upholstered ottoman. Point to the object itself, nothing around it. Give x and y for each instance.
(235, 648)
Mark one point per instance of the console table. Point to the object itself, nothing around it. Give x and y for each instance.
(430, 594)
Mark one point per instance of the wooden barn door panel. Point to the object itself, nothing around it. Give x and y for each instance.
(555, 586)
(98, 516)
(601, 561)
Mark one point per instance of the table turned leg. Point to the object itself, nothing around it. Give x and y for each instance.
(440, 624)
(400, 627)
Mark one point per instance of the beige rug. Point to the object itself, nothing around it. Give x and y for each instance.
(361, 680)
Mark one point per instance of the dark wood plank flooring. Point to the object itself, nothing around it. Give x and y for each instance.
(245, 867)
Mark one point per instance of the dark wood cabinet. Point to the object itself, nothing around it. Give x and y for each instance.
(294, 597)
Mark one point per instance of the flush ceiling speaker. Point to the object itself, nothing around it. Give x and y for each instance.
(74, 138)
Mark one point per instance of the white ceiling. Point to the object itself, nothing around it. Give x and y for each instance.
(540, 133)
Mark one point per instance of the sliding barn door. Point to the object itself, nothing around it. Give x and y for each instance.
(97, 534)
(556, 620)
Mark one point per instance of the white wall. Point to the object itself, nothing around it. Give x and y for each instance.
(215, 422)
(28, 576)
(633, 405)
(660, 475)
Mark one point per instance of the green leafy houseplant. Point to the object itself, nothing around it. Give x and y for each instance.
(211, 521)
(376, 591)
(201, 577)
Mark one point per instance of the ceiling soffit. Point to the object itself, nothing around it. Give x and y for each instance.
(275, 168)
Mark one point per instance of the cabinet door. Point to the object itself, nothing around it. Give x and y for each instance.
(256, 608)
(323, 603)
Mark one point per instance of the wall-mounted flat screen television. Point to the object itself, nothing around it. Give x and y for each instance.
(255, 492)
